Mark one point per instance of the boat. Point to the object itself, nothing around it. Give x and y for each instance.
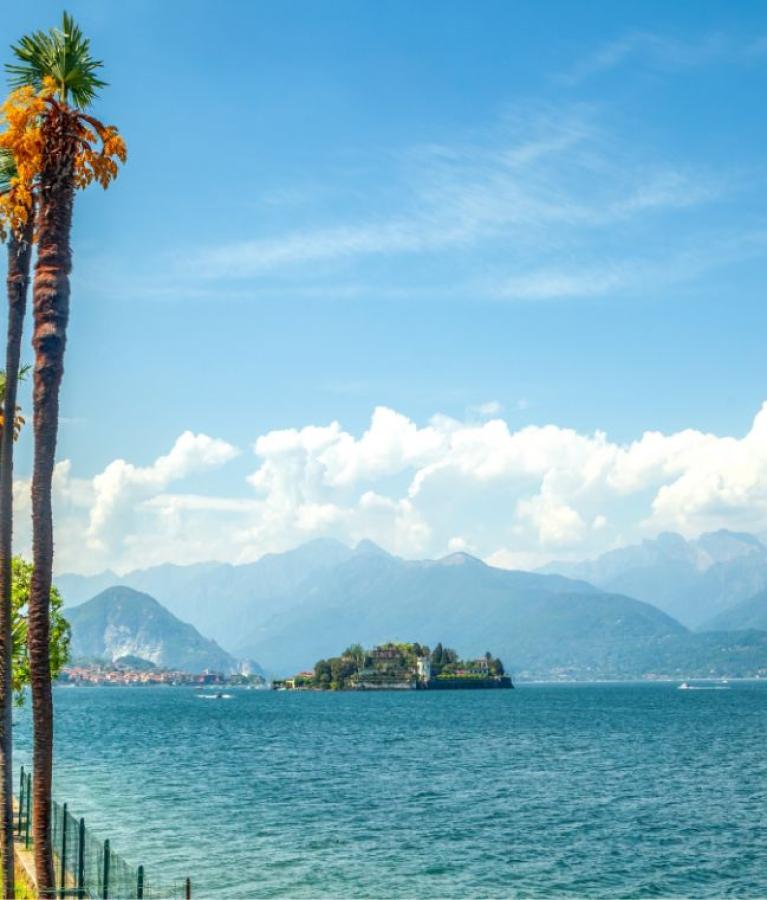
(684, 686)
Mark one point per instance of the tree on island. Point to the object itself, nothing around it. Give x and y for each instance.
(356, 652)
(442, 658)
(341, 669)
(57, 149)
(322, 674)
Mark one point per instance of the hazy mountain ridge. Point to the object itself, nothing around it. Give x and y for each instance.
(693, 581)
(122, 622)
(748, 614)
(218, 597)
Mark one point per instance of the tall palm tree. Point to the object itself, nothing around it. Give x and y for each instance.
(19, 257)
(58, 63)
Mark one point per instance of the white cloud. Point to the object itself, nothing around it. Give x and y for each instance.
(98, 520)
(122, 485)
(513, 497)
(535, 492)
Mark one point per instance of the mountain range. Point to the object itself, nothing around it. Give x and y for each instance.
(695, 581)
(287, 610)
(218, 598)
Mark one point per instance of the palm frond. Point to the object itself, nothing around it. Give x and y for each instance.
(23, 372)
(64, 55)
(7, 170)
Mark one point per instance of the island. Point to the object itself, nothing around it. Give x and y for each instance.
(396, 666)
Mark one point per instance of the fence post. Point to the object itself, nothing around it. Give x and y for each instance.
(28, 799)
(105, 894)
(21, 801)
(140, 883)
(63, 869)
(81, 860)
(188, 893)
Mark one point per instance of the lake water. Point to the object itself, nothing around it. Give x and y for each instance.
(545, 791)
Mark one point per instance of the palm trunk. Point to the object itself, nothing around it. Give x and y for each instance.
(51, 312)
(19, 256)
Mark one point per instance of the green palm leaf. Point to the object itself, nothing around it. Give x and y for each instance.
(64, 55)
(7, 170)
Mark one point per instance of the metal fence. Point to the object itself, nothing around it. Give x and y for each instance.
(86, 866)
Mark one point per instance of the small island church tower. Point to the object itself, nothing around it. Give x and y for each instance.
(423, 664)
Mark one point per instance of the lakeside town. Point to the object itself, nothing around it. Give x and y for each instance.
(138, 673)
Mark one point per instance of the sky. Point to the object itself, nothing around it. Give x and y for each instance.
(447, 275)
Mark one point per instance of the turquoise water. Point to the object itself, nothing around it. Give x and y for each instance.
(546, 791)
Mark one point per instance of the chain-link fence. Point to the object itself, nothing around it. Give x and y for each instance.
(86, 866)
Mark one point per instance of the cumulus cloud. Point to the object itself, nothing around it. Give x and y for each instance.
(119, 488)
(514, 497)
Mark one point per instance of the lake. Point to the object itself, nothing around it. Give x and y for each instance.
(545, 791)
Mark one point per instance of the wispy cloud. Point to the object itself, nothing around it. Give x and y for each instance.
(539, 181)
(663, 53)
(637, 275)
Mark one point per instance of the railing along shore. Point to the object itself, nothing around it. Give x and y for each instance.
(86, 866)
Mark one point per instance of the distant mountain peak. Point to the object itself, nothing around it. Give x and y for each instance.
(121, 593)
(368, 546)
(724, 545)
(460, 558)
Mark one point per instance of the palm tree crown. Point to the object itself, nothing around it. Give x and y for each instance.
(62, 54)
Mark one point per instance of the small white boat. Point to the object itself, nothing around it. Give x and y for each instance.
(684, 686)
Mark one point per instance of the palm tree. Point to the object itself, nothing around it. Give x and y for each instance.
(19, 256)
(59, 65)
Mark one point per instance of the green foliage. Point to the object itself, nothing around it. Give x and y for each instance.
(356, 652)
(60, 631)
(23, 372)
(7, 170)
(443, 658)
(341, 669)
(322, 674)
(64, 55)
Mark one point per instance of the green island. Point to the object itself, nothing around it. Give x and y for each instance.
(397, 666)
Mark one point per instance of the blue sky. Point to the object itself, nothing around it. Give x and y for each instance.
(545, 213)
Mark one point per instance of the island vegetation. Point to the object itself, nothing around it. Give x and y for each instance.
(399, 666)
